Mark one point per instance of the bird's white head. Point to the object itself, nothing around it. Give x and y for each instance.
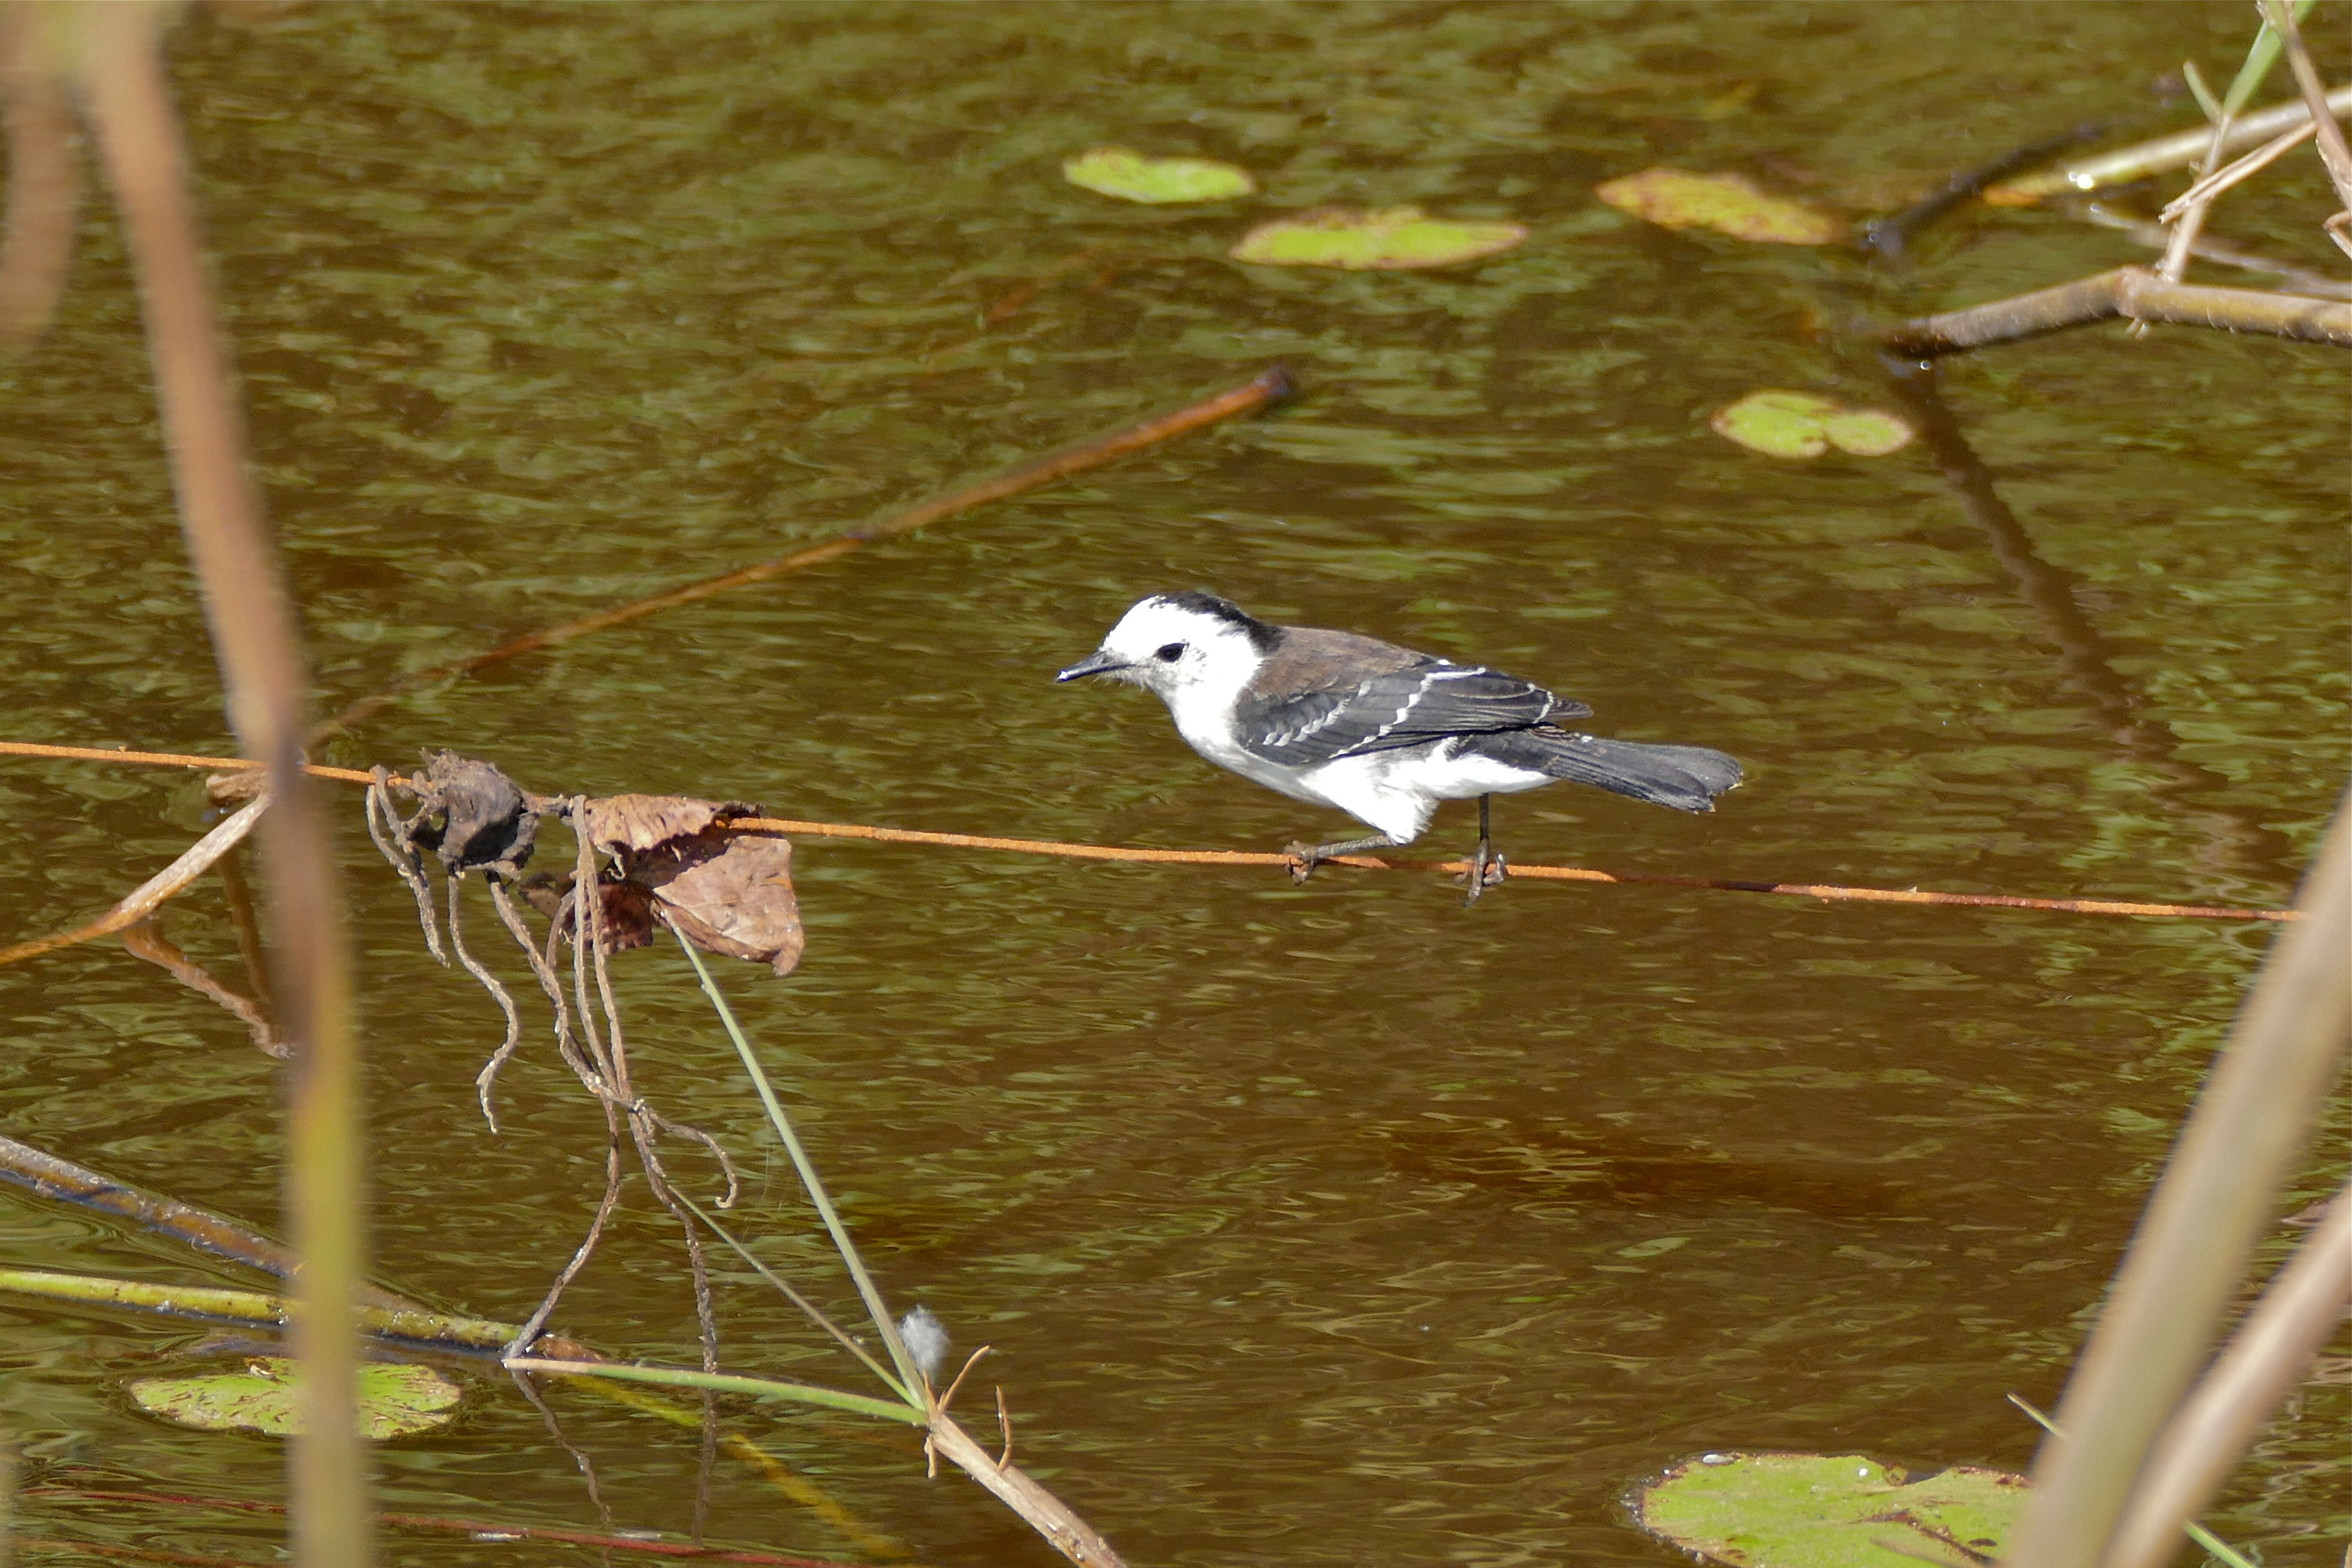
(1186, 647)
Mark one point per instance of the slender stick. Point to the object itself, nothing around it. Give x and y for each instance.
(1045, 1513)
(1269, 386)
(62, 1179)
(2211, 185)
(2127, 291)
(1826, 891)
(723, 1383)
(258, 650)
(151, 894)
(808, 1307)
(2250, 1125)
(908, 1378)
(2142, 159)
(2333, 151)
(2264, 1361)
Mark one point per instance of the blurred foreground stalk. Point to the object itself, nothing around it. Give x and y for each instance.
(112, 51)
(2251, 1126)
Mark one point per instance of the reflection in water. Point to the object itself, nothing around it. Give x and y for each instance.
(2236, 842)
(1605, 1165)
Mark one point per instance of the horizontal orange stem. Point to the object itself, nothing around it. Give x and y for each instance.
(1257, 857)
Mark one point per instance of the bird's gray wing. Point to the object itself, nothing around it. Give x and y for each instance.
(1426, 700)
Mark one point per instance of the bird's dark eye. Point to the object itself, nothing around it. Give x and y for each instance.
(1170, 653)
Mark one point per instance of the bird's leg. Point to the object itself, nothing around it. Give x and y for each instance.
(1486, 867)
(1305, 857)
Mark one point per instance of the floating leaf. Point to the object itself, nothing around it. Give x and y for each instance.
(1783, 424)
(1392, 240)
(1800, 425)
(1129, 176)
(1729, 204)
(1821, 1511)
(1866, 432)
(395, 1401)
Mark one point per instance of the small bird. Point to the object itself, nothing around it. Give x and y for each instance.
(1379, 731)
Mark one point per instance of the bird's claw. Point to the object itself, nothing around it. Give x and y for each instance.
(1486, 870)
(1303, 860)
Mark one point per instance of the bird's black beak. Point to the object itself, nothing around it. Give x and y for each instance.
(1096, 663)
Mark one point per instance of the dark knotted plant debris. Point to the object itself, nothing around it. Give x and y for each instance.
(669, 862)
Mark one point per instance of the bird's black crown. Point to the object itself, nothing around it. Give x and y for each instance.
(1262, 637)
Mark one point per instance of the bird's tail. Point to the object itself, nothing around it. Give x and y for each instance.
(1688, 778)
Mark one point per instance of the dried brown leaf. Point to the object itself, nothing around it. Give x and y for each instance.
(733, 895)
(628, 915)
(625, 822)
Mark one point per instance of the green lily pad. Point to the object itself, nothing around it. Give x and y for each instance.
(1394, 238)
(1866, 432)
(1822, 1511)
(1800, 425)
(1728, 204)
(395, 1401)
(1129, 176)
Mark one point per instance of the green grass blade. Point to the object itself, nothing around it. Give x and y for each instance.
(726, 1382)
(2259, 60)
(2199, 91)
(883, 1323)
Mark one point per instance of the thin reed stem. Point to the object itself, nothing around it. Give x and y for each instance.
(908, 1378)
(258, 650)
(726, 1383)
(2252, 1123)
(814, 1312)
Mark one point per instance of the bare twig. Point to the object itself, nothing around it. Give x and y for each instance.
(2333, 151)
(2212, 185)
(2292, 277)
(2129, 293)
(151, 894)
(1048, 1515)
(2142, 158)
(808, 1307)
(1270, 386)
(2250, 1126)
(965, 1371)
(2262, 1365)
(61, 1179)
(1826, 891)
